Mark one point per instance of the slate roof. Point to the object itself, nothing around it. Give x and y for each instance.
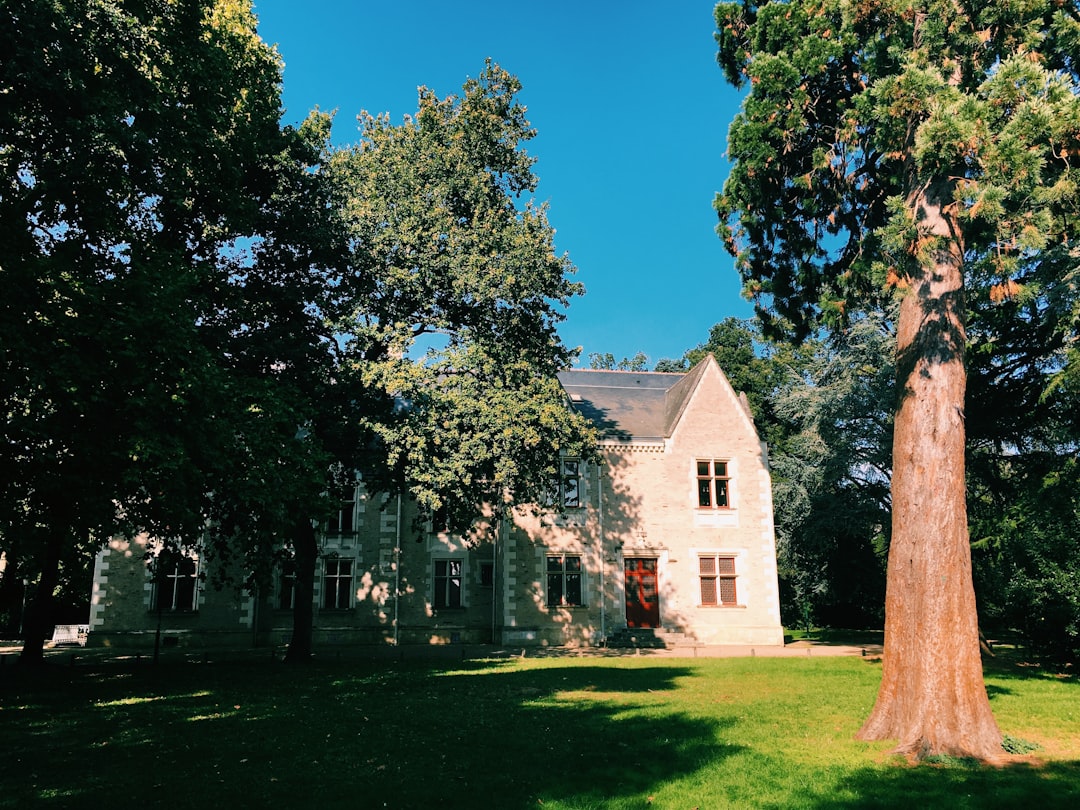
(631, 404)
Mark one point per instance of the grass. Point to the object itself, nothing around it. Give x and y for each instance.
(632, 732)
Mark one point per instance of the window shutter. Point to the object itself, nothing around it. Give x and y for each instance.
(707, 570)
(708, 591)
(727, 591)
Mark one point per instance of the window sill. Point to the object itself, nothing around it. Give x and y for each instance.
(716, 518)
(570, 517)
(722, 607)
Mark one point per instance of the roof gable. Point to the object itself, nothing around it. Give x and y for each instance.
(679, 394)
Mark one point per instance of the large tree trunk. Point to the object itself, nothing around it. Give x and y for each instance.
(38, 621)
(932, 697)
(306, 549)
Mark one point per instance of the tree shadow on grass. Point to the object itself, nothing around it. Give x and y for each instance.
(1019, 664)
(400, 736)
(995, 691)
(954, 785)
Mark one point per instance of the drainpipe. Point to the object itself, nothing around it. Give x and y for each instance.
(495, 578)
(603, 552)
(397, 568)
(255, 616)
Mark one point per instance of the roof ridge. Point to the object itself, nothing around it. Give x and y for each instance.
(622, 371)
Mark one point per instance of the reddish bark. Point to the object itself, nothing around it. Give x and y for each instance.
(932, 698)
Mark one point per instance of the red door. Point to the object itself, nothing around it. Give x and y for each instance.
(642, 596)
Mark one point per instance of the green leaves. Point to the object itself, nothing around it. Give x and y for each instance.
(142, 172)
(455, 292)
(849, 105)
(441, 243)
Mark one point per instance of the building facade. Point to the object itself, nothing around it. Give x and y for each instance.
(671, 533)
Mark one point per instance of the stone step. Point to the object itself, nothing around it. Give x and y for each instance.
(644, 637)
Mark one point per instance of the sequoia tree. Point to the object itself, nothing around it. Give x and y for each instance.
(920, 149)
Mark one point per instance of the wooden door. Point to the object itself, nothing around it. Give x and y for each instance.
(642, 594)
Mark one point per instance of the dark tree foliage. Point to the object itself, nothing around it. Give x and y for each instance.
(831, 463)
(140, 148)
(208, 319)
(1024, 436)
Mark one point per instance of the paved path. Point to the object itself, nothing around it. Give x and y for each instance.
(9, 652)
(794, 650)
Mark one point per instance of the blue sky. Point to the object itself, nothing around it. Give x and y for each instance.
(631, 112)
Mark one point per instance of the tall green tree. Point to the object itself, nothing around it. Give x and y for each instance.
(139, 157)
(831, 467)
(446, 315)
(296, 435)
(456, 292)
(922, 149)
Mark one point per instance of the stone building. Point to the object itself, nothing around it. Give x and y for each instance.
(670, 535)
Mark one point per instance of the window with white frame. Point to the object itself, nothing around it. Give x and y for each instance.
(337, 583)
(717, 575)
(564, 581)
(343, 521)
(566, 488)
(571, 482)
(713, 484)
(447, 583)
(176, 583)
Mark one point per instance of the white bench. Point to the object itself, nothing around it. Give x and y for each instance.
(70, 634)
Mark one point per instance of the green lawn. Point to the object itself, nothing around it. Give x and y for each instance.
(555, 733)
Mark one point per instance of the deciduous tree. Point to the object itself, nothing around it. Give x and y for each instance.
(922, 149)
(446, 252)
(447, 311)
(832, 409)
(140, 151)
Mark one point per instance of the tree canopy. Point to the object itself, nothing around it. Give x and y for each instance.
(606, 362)
(139, 151)
(209, 320)
(452, 298)
(852, 105)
